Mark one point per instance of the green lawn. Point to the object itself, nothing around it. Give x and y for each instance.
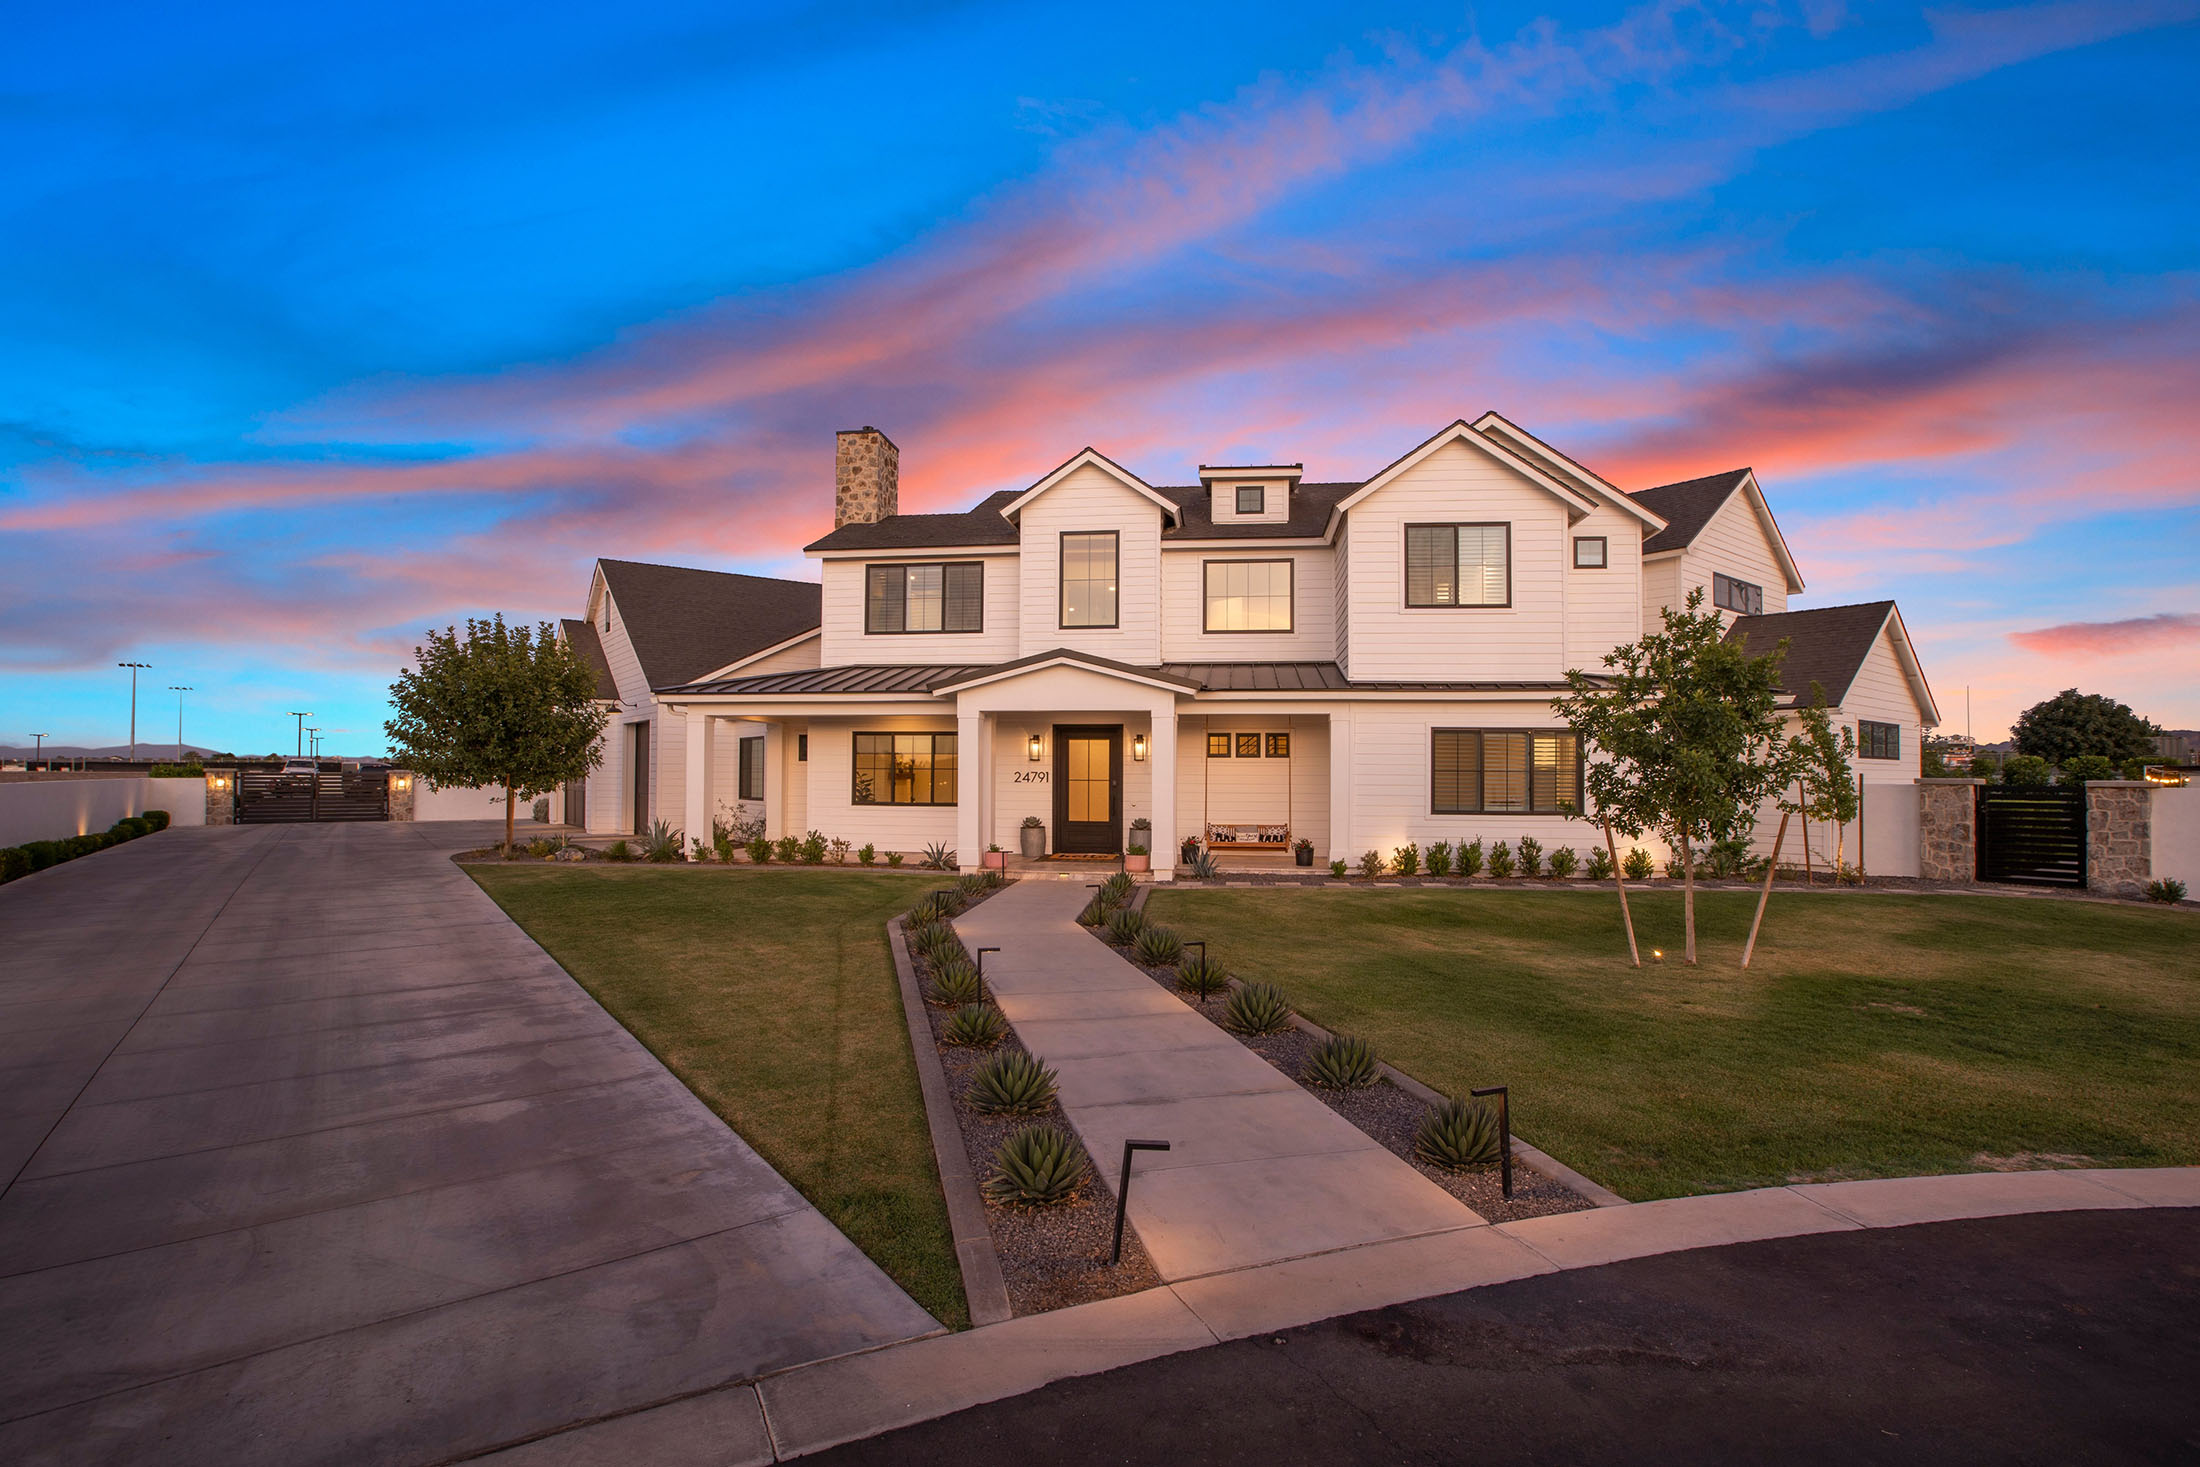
(1875, 1035)
(772, 994)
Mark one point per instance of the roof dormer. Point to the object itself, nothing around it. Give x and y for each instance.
(1241, 494)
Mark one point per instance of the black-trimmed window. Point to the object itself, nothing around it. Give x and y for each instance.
(1252, 499)
(1503, 771)
(904, 769)
(1279, 746)
(752, 768)
(1746, 597)
(1249, 595)
(1218, 746)
(944, 596)
(1591, 552)
(1878, 740)
(1459, 565)
(1089, 560)
(1248, 746)
(801, 748)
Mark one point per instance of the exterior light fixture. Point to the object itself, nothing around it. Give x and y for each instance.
(1138, 748)
(1034, 748)
(402, 782)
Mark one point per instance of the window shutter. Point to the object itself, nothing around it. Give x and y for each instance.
(965, 598)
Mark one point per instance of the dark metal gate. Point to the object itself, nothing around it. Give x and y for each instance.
(2033, 836)
(267, 796)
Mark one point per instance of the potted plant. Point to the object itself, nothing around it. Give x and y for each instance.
(1190, 852)
(996, 858)
(1034, 834)
(1302, 851)
(1137, 856)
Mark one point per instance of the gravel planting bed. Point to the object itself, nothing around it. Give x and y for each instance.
(1050, 1256)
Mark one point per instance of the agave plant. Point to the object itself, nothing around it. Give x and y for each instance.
(1456, 1135)
(974, 885)
(1157, 946)
(1201, 976)
(955, 983)
(1205, 866)
(1341, 1062)
(1096, 911)
(663, 843)
(947, 901)
(939, 944)
(974, 1025)
(1011, 1083)
(1256, 1008)
(1037, 1166)
(1124, 925)
(922, 917)
(938, 857)
(1118, 887)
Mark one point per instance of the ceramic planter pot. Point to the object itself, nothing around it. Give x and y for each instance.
(1138, 863)
(1304, 858)
(1034, 841)
(997, 860)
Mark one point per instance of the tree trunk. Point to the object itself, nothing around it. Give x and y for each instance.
(1765, 895)
(507, 820)
(1619, 880)
(1688, 901)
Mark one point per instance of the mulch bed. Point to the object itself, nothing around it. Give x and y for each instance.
(1390, 1117)
(1050, 1257)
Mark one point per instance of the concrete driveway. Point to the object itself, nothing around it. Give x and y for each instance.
(310, 1155)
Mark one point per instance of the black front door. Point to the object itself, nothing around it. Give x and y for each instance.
(640, 766)
(1088, 788)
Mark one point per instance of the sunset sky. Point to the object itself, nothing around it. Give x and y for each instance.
(322, 325)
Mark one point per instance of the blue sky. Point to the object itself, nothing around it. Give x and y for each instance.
(319, 328)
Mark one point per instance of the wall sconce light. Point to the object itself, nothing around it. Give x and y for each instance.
(402, 782)
(1035, 748)
(220, 783)
(1138, 748)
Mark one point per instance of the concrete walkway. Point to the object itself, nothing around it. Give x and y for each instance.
(1259, 1171)
(310, 1155)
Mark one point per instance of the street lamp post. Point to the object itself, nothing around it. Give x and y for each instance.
(179, 691)
(301, 717)
(315, 735)
(133, 666)
(38, 751)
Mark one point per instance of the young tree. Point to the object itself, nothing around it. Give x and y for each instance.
(1682, 735)
(1817, 764)
(2073, 723)
(500, 705)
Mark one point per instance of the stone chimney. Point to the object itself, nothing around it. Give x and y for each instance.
(866, 477)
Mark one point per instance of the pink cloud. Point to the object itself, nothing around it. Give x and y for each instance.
(2164, 629)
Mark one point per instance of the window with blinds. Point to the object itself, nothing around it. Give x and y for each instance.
(947, 597)
(904, 769)
(1459, 565)
(1248, 596)
(1504, 771)
(1088, 578)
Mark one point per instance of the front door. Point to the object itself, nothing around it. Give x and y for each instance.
(1088, 788)
(639, 764)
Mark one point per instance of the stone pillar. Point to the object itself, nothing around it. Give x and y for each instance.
(402, 782)
(866, 477)
(2119, 836)
(221, 797)
(695, 809)
(1947, 829)
(1161, 749)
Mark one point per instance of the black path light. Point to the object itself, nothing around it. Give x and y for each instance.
(1504, 1132)
(981, 963)
(1123, 1190)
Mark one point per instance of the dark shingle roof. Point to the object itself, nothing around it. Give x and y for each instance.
(684, 623)
(984, 525)
(1310, 507)
(581, 637)
(1827, 645)
(1686, 507)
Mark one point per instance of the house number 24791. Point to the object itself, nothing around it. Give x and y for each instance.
(1031, 776)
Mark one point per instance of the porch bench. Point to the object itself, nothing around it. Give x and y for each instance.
(1253, 837)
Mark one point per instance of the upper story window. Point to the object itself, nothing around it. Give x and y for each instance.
(1459, 565)
(1252, 499)
(1487, 771)
(1878, 740)
(1248, 596)
(924, 598)
(1088, 578)
(1591, 552)
(1743, 596)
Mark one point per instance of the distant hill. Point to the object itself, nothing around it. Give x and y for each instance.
(148, 749)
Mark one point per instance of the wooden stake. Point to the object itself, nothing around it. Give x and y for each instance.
(1765, 895)
(1620, 881)
(1799, 800)
(1688, 899)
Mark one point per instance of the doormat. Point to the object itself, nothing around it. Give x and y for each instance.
(1085, 856)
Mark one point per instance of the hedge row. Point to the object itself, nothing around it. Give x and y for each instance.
(39, 854)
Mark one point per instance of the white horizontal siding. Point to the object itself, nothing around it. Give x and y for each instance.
(844, 643)
(1092, 499)
(1603, 607)
(829, 802)
(1735, 543)
(1184, 637)
(1275, 501)
(1022, 787)
(1239, 791)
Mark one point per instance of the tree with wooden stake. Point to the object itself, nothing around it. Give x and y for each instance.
(500, 705)
(1818, 766)
(1681, 734)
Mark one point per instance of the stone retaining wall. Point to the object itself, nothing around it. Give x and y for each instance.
(2119, 836)
(1947, 831)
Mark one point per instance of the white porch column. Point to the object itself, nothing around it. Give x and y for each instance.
(696, 826)
(778, 754)
(1340, 786)
(973, 781)
(1162, 751)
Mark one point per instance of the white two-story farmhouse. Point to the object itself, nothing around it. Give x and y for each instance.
(1251, 660)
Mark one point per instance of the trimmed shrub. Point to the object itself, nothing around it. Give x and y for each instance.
(1470, 858)
(1256, 1008)
(1501, 861)
(1531, 856)
(1124, 925)
(2167, 889)
(1406, 860)
(158, 819)
(1011, 1083)
(2025, 771)
(1439, 859)
(2080, 768)
(176, 771)
(954, 984)
(974, 1026)
(760, 850)
(786, 850)
(1600, 864)
(1371, 864)
(1458, 1134)
(893, 858)
(1638, 864)
(1157, 946)
(1564, 862)
(1337, 869)
(1201, 976)
(867, 854)
(1341, 1062)
(1038, 1166)
(14, 862)
(812, 849)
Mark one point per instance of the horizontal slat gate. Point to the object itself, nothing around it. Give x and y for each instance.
(2032, 836)
(265, 796)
